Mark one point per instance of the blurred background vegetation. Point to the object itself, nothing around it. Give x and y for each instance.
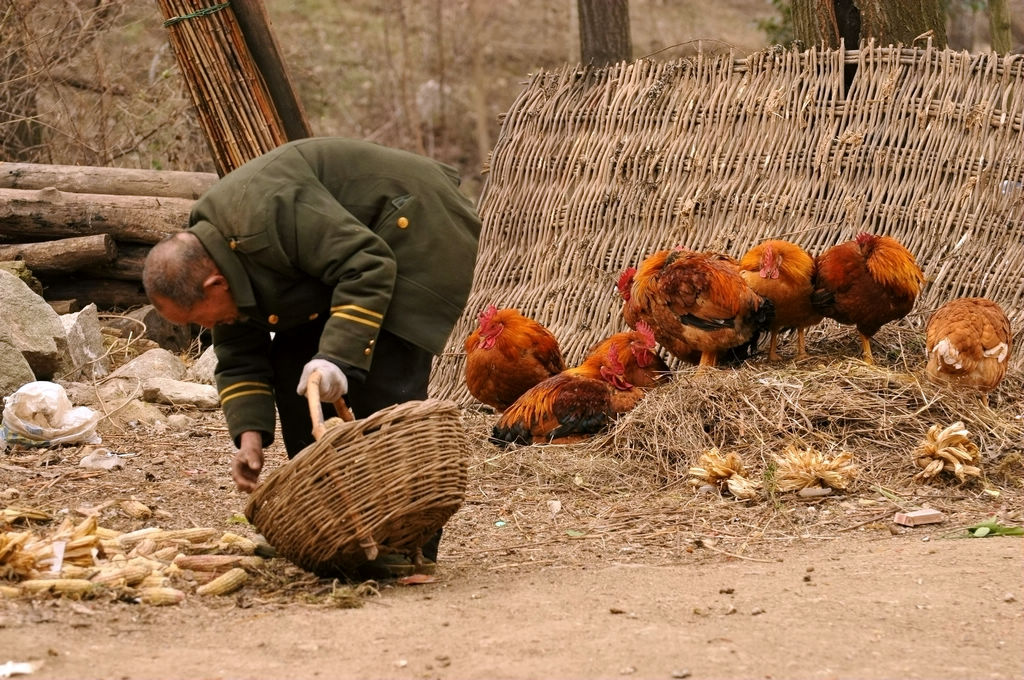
(94, 82)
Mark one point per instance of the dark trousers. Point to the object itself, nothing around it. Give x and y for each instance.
(400, 372)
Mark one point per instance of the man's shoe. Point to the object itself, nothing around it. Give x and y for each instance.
(395, 565)
(391, 565)
(425, 566)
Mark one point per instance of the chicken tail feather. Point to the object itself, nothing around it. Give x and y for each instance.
(707, 324)
(822, 300)
(511, 435)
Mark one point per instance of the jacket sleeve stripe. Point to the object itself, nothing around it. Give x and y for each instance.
(357, 308)
(246, 383)
(228, 398)
(372, 324)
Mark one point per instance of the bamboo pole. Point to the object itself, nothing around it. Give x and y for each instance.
(234, 105)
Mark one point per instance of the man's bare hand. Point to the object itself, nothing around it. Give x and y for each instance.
(248, 462)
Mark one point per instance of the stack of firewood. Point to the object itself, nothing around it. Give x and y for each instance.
(84, 231)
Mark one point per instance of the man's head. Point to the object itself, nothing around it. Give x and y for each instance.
(185, 285)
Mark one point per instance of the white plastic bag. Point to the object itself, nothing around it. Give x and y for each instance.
(40, 414)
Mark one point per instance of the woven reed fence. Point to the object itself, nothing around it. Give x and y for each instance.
(596, 168)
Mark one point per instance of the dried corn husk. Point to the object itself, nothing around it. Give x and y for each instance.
(103, 533)
(805, 468)
(226, 583)
(165, 554)
(75, 571)
(15, 561)
(61, 586)
(145, 547)
(160, 595)
(947, 449)
(74, 560)
(154, 580)
(12, 513)
(193, 535)
(207, 562)
(136, 509)
(128, 540)
(724, 471)
(234, 543)
(116, 577)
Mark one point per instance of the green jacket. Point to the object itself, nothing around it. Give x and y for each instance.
(375, 237)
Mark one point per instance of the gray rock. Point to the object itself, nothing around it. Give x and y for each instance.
(14, 370)
(36, 330)
(154, 363)
(82, 393)
(101, 459)
(180, 422)
(148, 323)
(179, 393)
(133, 414)
(86, 352)
(203, 368)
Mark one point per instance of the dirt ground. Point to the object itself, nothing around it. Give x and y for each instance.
(861, 606)
(556, 566)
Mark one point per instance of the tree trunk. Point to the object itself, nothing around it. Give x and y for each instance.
(127, 266)
(901, 22)
(106, 293)
(814, 24)
(47, 214)
(960, 31)
(63, 255)
(99, 180)
(479, 81)
(999, 23)
(604, 32)
(896, 22)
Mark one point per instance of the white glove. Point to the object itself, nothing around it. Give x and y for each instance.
(333, 383)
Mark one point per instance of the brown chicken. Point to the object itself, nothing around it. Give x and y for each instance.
(580, 401)
(968, 343)
(867, 282)
(696, 303)
(783, 272)
(508, 354)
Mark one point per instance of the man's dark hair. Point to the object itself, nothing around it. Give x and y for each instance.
(176, 268)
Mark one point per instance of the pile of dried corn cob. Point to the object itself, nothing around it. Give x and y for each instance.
(947, 449)
(725, 471)
(151, 565)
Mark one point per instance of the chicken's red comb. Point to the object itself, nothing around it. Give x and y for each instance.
(625, 281)
(487, 314)
(643, 329)
(865, 237)
(613, 359)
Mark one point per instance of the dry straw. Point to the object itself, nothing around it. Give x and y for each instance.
(837, 412)
(837, 421)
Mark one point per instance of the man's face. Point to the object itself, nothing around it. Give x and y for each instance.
(216, 307)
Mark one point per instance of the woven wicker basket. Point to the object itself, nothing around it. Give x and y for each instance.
(382, 484)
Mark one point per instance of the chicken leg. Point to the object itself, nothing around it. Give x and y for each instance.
(865, 342)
